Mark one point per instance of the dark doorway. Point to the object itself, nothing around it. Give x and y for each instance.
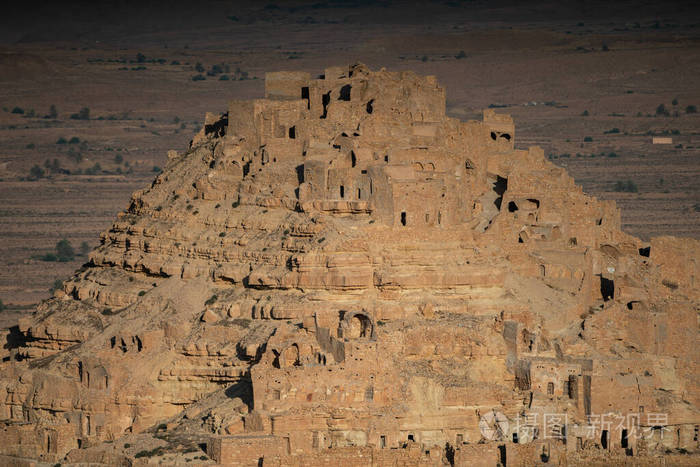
(342, 191)
(607, 288)
(292, 132)
(604, 439)
(345, 93)
(502, 454)
(500, 186)
(305, 95)
(403, 218)
(325, 100)
(624, 442)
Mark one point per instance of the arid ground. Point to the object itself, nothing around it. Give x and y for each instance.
(590, 83)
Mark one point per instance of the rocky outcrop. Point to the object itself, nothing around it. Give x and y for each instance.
(339, 269)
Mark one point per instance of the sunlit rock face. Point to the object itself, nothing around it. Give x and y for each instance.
(340, 269)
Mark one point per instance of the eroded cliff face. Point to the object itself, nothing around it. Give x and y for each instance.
(339, 269)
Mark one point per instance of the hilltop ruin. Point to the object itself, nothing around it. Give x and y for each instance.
(339, 273)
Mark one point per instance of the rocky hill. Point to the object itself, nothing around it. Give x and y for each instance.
(341, 274)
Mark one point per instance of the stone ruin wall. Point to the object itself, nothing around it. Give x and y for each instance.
(384, 277)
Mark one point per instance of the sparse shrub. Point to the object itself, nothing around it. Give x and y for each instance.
(612, 131)
(30, 146)
(585, 113)
(223, 78)
(36, 172)
(199, 77)
(157, 169)
(242, 322)
(142, 293)
(18, 110)
(174, 62)
(84, 114)
(94, 170)
(64, 251)
(74, 140)
(691, 109)
(57, 285)
(140, 58)
(424, 58)
(211, 300)
(118, 159)
(605, 47)
(222, 234)
(626, 186)
(53, 112)
(674, 101)
(662, 111)
(61, 140)
(588, 139)
(461, 54)
(612, 154)
(199, 67)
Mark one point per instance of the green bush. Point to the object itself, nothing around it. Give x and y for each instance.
(588, 139)
(157, 169)
(626, 186)
(118, 159)
(612, 131)
(84, 114)
(18, 110)
(142, 293)
(30, 146)
(74, 140)
(223, 78)
(199, 68)
(662, 111)
(585, 113)
(94, 170)
(61, 140)
(36, 172)
(461, 54)
(691, 109)
(199, 77)
(64, 251)
(53, 113)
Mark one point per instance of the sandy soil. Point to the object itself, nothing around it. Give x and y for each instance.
(546, 65)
